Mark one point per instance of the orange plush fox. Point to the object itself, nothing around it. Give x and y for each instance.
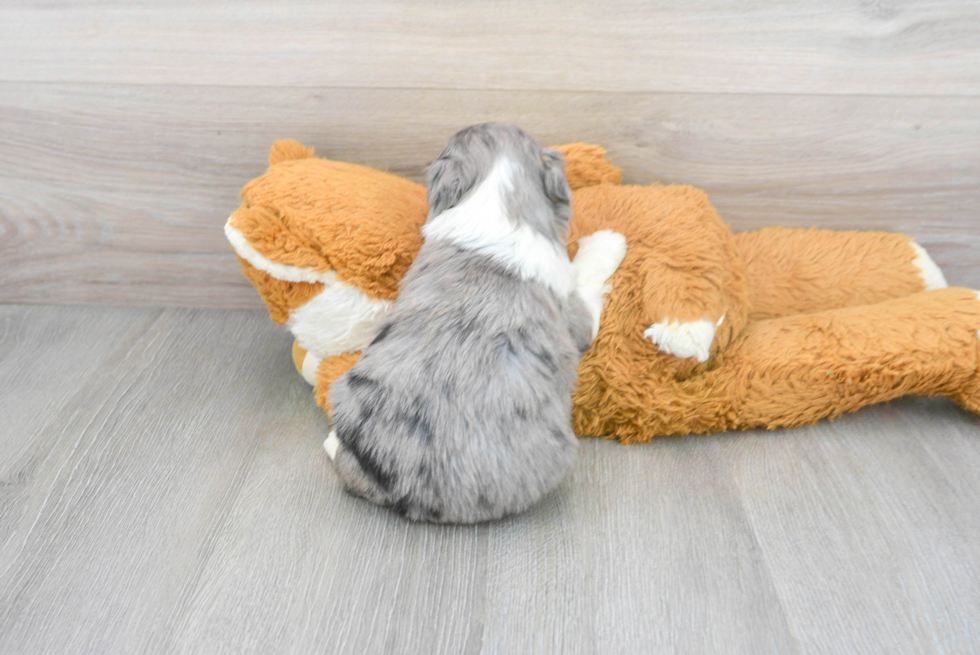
(702, 331)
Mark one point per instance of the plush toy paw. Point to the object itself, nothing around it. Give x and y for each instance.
(684, 338)
(599, 255)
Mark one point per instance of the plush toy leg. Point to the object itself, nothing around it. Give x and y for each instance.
(299, 354)
(306, 363)
(799, 271)
(796, 370)
(679, 279)
(327, 373)
(321, 373)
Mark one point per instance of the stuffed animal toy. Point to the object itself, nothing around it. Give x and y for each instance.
(702, 331)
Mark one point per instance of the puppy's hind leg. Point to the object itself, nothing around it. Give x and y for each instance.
(331, 445)
(360, 474)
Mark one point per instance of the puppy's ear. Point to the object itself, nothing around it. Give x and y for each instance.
(553, 176)
(450, 178)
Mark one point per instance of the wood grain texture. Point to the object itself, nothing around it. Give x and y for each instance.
(117, 194)
(815, 47)
(163, 490)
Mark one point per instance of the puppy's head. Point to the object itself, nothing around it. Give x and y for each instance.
(500, 163)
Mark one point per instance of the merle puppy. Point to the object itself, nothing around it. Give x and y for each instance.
(459, 410)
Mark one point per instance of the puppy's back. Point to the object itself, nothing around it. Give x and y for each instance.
(459, 410)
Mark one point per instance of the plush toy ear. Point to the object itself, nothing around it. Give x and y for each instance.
(286, 149)
(586, 165)
(553, 176)
(450, 178)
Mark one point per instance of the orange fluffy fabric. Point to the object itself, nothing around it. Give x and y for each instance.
(808, 323)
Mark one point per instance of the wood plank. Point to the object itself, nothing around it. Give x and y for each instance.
(118, 493)
(47, 356)
(648, 551)
(176, 499)
(854, 521)
(815, 47)
(117, 194)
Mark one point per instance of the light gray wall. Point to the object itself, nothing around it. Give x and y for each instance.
(127, 129)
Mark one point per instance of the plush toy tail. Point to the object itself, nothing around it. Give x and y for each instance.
(321, 373)
(286, 149)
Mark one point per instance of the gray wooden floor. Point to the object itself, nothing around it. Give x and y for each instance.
(163, 489)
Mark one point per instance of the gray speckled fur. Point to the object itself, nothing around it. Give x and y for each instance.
(459, 411)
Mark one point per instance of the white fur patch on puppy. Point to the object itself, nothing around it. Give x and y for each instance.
(340, 319)
(599, 255)
(310, 365)
(331, 444)
(683, 338)
(931, 276)
(480, 223)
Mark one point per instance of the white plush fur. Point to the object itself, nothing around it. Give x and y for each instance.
(480, 223)
(931, 276)
(310, 365)
(283, 272)
(340, 319)
(682, 338)
(599, 255)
